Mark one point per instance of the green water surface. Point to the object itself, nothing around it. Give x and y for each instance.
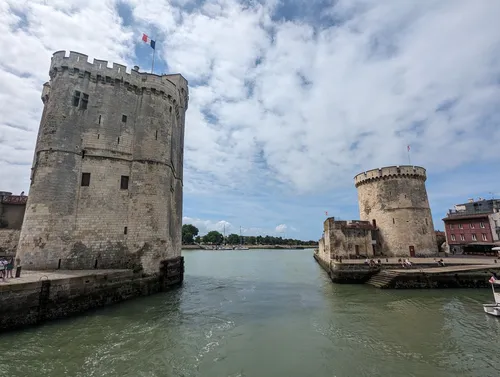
(266, 313)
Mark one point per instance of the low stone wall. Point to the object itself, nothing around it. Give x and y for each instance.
(359, 273)
(8, 241)
(347, 273)
(462, 279)
(32, 303)
(322, 263)
(352, 273)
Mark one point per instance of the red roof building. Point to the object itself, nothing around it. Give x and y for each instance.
(473, 227)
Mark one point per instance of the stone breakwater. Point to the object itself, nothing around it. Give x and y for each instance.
(423, 274)
(40, 296)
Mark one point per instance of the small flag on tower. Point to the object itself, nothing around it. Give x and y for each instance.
(326, 213)
(149, 41)
(408, 148)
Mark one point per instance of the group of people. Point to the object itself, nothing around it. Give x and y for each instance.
(405, 263)
(6, 268)
(372, 263)
(440, 262)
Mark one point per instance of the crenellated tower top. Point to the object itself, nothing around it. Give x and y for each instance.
(173, 85)
(401, 171)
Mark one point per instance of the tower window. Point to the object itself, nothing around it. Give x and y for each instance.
(85, 179)
(426, 222)
(124, 118)
(83, 153)
(374, 223)
(124, 182)
(76, 98)
(100, 119)
(118, 142)
(125, 230)
(85, 101)
(170, 110)
(393, 221)
(156, 134)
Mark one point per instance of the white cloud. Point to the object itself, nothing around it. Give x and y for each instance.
(280, 106)
(205, 226)
(282, 228)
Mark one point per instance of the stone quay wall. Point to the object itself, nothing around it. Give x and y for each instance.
(106, 180)
(394, 199)
(62, 294)
(359, 273)
(462, 279)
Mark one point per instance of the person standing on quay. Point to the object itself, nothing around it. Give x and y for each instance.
(9, 267)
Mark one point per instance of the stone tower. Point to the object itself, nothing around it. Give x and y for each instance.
(106, 181)
(394, 200)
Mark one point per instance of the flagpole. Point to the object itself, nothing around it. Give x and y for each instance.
(409, 160)
(153, 64)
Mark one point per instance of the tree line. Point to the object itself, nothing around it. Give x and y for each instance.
(190, 235)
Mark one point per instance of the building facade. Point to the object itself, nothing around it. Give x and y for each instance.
(346, 239)
(106, 181)
(12, 208)
(473, 227)
(394, 199)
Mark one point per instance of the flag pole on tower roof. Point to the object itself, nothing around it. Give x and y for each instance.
(152, 43)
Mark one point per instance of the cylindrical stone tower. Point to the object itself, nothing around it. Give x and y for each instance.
(106, 181)
(394, 200)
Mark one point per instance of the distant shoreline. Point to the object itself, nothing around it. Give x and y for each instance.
(255, 247)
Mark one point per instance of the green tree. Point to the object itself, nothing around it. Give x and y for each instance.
(233, 239)
(197, 239)
(250, 240)
(188, 233)
(213, 237)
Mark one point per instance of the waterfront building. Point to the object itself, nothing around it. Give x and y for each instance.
(347, 239)
(473, 227)
(12, 208)
(395, 218)
(394, 199)
(106, 179)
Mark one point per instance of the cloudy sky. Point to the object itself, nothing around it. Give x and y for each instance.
(288, 100)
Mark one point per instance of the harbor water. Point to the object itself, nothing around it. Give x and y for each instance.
(266, 313)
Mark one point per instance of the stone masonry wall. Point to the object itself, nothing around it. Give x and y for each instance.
(323, 253)
(31, 303)
(8, 241)
(132, 127)
(341, 240)
(12, 210)
(396, 198)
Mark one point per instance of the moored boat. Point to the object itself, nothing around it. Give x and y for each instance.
(494, 309)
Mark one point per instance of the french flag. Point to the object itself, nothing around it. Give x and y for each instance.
(492, 280)
(148, 40)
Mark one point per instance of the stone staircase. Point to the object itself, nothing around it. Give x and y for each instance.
(382, 279)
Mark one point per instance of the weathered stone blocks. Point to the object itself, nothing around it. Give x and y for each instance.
(394, 199)
(106, 182)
